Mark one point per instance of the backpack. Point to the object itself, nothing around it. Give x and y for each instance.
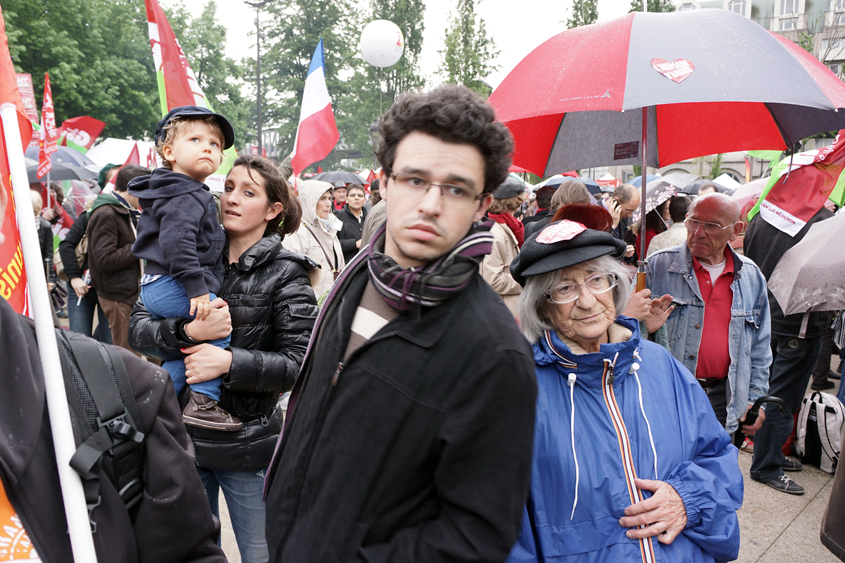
(81, 250)
(103, 407)
(819, 434)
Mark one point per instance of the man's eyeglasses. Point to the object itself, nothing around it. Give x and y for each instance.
(569, 291)
(711, 229)
(451, 192)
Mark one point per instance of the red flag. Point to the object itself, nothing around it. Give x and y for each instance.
(151, 158)
(80, 132)
(319, 169)
(263, 152)
(133, 158)
(801, 184)
(172, 68)
(48, 131)
(12, 272)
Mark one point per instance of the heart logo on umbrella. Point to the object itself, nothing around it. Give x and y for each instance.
(676, 70)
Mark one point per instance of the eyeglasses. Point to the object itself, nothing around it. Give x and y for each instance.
(453, 193)
(569, 291)
(711, 229)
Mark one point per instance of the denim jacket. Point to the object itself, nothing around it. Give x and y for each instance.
(671, 271)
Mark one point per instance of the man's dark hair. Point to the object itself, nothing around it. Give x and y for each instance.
(350, 187)
(374, 185)
(678, 208)
(121, 181)
(624, 193)
(544, 196)
(453, 114)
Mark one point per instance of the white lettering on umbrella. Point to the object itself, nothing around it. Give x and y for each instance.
(676, 70)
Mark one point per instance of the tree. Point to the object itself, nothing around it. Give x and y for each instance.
(469, 52)
(584, 12)
(715, 166)
(294, 29)
(373, 90)
(98, 55)
(203, 40)
(653, 6)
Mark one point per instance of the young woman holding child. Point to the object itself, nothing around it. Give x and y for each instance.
(267, 304)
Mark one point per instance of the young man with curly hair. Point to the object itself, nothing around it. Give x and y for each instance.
(410, 429)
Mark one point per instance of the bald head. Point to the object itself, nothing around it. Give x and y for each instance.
(718, 202)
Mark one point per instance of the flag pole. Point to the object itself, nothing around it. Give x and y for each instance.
(76, 511)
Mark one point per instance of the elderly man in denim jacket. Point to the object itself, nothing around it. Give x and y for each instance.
(720, 326)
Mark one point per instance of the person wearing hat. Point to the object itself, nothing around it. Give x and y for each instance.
(181, 240)
(507, 240)
(106, 174)
(629, 461)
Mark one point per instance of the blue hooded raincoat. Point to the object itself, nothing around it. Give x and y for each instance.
(634, 412)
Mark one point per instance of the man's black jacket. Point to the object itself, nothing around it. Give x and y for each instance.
(418, 448)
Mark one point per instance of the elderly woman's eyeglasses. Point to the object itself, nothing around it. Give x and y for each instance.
(711, 229)
(453, 193)
(569, 291)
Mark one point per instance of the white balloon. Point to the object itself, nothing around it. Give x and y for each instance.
(382, 43)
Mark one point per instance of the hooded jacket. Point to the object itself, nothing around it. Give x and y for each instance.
(495, 268)
(172, 523)
(315, 240)
(273, 311)
(115, 271)
(178, 232)
(634, 412)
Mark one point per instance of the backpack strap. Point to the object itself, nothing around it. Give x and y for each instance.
(115, 432)
(333, 264)
(803, 415)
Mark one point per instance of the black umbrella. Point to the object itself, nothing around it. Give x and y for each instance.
(339, 177)
(65, 155)
(692, 189)
(59, 172)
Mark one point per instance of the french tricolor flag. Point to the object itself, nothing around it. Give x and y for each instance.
(317, 133)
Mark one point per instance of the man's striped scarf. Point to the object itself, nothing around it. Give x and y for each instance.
(429, 285)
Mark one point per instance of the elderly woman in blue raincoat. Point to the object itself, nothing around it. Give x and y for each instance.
(630, 463)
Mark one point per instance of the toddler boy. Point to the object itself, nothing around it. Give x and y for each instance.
(182, 241)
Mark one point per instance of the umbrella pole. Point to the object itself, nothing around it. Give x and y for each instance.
(643, 175)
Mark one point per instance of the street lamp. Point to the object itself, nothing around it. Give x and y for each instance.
(258, 6)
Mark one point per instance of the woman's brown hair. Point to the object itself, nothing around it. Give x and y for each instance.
(277, 189)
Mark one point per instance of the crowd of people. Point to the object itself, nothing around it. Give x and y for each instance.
(469, 380)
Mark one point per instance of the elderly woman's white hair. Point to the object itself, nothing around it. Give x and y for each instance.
(533, 300)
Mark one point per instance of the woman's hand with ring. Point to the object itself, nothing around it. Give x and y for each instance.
(206, 362)
(663, 515)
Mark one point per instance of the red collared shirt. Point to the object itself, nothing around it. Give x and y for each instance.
(714, 358)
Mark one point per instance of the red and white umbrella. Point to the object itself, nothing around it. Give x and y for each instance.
(657, 88)
(712, 82)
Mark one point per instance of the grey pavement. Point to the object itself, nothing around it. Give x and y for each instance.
(775, 527)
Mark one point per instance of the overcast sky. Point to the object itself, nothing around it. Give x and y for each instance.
(516, 27)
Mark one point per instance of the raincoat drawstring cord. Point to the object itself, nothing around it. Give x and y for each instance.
(634, 367)
(571, 383)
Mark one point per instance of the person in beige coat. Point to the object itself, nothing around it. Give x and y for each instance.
(317, 235)
(508, 238)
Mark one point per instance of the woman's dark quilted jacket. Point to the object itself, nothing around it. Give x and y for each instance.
(273, 311)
